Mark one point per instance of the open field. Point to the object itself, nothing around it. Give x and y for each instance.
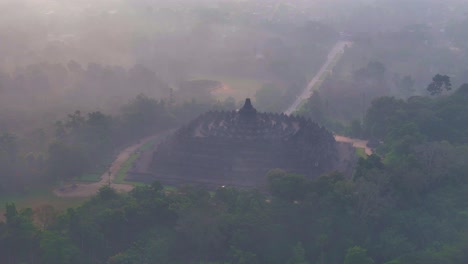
(45, 196)
(38, 198)
(357, 143)
(237, 87)
(126, 166)
(133, 160)
(148, 145)
(361, 153)
(89, 178)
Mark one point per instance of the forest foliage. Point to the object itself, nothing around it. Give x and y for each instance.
(405, 206)
(85, 143)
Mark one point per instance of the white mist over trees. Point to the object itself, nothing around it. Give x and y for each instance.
(90, 88)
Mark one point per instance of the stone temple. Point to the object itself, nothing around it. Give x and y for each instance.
(238, 148)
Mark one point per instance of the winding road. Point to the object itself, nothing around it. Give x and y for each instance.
(89, 189)
(86, 190)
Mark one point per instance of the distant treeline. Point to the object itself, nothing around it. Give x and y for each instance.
(46, 86)
(85, 143)
(405, 206)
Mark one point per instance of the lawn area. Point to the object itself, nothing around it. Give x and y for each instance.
(89, 178)
(300, 108)
(122, 173)
(238, 87)
(148, 145)
(169, 188)
(317, 85)
(361, 153)
(38, 198)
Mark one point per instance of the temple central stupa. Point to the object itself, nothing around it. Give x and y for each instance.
(238, 148)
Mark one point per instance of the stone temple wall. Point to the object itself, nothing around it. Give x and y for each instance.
(239, 148)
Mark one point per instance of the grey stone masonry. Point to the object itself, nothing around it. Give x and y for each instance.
(238, 148)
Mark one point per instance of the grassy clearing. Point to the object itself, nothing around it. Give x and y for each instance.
(361, 153)
(317, 85)
(89, 178)
(37, 198)
(122, 173)
(148, 145)
(169, 188)
(300, 108)
(240, 87)
(136, 184)
(44, 196)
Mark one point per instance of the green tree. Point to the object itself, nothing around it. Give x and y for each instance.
(314, 108)
(66, 162)
(365, 165)
(355, 129)
(374, 71)
(286, 186)
(8, 160)
(439, 84)
(57, 248)
(357, 255)
(144, 115)
(383, 115)
(107, 193)
(238, 256)
(393, 262)
(298, 256)
(20, 241)
(75, 121)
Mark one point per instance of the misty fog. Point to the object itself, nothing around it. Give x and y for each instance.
(60, 56)
(320, 131)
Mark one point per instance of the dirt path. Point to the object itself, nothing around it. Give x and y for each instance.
(89, 189)
(357, 143)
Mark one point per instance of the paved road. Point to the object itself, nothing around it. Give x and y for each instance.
(89, 189)
(308, 91)
(85, 190)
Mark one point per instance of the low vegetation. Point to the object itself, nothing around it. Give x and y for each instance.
(126, 166)
(127, 66)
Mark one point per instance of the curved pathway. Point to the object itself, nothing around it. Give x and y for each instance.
(89, 189)
(86, 190)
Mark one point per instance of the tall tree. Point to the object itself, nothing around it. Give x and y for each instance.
(439, 84)
(8, 159)
(66, 162)
(357, 255)
(298, 256)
